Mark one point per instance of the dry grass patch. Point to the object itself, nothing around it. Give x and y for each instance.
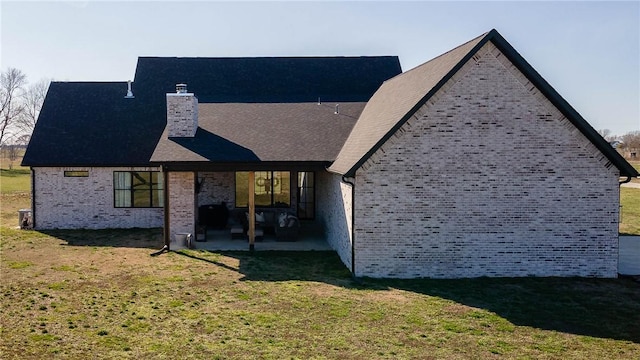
(98, 294)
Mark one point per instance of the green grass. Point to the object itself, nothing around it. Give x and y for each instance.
(15, 181)
(64, 295)
(15, 188)
(630, 215)
(636, 165)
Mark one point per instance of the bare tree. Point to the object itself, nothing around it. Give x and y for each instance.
(11, 83)
(32, 100)
(631, 144)
(16, 147)
(607, 135)
(23, 140)
(632, 139)
(11, 152)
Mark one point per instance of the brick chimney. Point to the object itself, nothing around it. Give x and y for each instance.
(182, 112)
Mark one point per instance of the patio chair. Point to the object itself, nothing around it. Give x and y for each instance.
(287, 228)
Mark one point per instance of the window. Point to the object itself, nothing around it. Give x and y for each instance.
(83, 173)
(138, 189)
(272, 189)
(306, 195)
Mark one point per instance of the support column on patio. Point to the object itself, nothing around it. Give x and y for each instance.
(182, 203)
(252, 210)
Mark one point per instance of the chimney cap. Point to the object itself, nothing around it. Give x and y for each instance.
(181, 88)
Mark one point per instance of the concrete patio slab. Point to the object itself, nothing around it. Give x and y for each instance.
(220, 240)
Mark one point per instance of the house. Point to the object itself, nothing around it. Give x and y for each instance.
(468, 165)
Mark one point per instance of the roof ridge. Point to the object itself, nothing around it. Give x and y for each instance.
(271, 57)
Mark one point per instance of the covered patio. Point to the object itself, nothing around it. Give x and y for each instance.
(254, 165)
(242, 210)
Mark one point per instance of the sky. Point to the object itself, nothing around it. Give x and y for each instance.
(588, 51)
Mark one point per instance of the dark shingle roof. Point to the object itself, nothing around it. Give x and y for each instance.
(400, 97)
(268, 79)
(292, 132)
(91, 124)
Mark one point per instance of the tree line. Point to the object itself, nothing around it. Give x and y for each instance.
(20, 104)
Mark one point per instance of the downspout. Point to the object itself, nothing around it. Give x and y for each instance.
(620, 212)
(353, 224)
(619, 184)
(33, 198)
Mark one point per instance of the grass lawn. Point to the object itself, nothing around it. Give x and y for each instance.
(14, 194)
(636, 165)
(14, 181)
(98, 294)
(79, 294)
(630, 216)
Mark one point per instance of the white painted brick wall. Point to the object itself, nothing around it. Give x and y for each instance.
(489, 179)
(86, 202)
(334, 211)
(182, 203)
(182, 115)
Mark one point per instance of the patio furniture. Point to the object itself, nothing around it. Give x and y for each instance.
(240, 225)
(214, 216)
(288, 227)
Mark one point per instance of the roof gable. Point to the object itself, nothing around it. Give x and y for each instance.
(400, 97)
(392, 104)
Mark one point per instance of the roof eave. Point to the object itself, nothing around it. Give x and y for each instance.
(243, 166)
(85, 165)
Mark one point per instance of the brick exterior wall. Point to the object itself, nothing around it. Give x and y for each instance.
(86, 202)
(182, 115)
(487, 179)
(334, 212)
(217, 187)
(182, 203)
